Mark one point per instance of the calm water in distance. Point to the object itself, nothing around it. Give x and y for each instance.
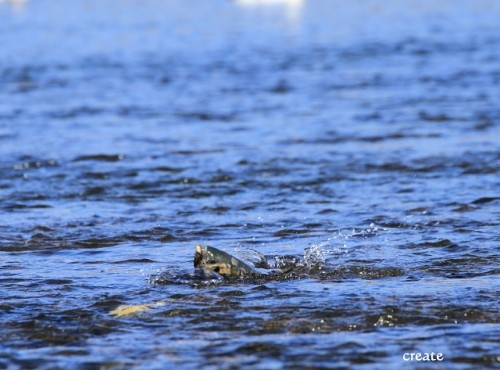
(359, 139)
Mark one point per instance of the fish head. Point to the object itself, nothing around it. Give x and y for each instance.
(218, 261)
(200, 255)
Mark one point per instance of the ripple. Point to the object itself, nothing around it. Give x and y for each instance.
(100, 158)
(207, 116)
(485, 200)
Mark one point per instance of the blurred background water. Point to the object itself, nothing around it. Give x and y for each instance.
(360, 136)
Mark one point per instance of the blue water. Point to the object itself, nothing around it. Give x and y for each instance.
(361, 138)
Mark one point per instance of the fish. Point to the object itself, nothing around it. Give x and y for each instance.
(134, 309)
(211, 265)
(206, 257)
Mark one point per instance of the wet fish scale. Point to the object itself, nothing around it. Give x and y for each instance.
(221, 262)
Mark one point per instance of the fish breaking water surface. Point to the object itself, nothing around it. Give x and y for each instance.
(353, 144)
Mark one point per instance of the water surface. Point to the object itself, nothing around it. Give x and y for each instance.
(361, 138)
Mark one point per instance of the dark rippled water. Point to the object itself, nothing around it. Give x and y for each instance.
(360, 137)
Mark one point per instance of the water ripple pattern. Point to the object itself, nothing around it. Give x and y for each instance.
(355, 145)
